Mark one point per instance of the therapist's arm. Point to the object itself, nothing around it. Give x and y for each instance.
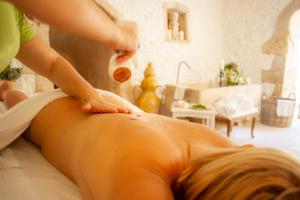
(84, 18)
(44, 60)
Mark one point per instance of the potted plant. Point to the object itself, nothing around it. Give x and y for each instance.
(10, 73)
(232, 74)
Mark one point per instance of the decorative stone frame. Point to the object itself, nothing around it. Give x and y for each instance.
(183, 11)
(278, 46)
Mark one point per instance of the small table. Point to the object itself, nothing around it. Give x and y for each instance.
(230, 122)
(208, 116)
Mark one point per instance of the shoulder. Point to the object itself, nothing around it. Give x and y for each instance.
(143, 180)
(199, 138)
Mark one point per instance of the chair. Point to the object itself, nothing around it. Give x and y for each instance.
(234, 108)
(231, 121)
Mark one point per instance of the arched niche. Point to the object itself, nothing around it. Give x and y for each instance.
(176, 13)
(278, 46)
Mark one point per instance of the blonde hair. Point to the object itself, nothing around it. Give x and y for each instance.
(241, 174)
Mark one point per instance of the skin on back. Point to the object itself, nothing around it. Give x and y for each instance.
(119, 156)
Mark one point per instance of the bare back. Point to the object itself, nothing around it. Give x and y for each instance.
(119, 156)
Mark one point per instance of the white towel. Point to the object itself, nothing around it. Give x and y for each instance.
(285, 108)
(16, 120)
(179, 92)
(235, 105)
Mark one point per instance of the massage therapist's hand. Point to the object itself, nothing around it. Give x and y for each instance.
(98, 104)
(127, 41)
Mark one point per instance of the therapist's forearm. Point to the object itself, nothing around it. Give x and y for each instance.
(81, 17)
(68, 79)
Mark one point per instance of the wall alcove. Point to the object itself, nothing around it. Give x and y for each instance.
(176, 22)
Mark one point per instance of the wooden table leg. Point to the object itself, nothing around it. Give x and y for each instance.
(229, 127)
(212, 122)
(252, 126)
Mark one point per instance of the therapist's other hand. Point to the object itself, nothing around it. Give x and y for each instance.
(99, 105)
(128, 41)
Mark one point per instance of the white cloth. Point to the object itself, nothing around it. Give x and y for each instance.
(17, 119)
(285, 107)
(181, 104)
(27, 84)
(235, 105)
(26, 175)
(179, 92)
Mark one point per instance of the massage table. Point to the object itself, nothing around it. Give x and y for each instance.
(26, 175)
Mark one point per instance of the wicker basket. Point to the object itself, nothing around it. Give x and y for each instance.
(269, 114)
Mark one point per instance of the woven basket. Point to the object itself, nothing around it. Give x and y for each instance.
(269, 115)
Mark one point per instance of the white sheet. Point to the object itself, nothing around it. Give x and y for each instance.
(26, 175)
(17, 119)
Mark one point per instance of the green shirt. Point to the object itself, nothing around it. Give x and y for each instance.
(14, 30)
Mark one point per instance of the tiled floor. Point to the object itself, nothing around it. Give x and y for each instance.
(265, 136)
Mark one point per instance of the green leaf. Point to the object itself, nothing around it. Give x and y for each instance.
(10, 73)
(199, 107)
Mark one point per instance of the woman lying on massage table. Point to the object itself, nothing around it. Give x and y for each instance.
(151, 157)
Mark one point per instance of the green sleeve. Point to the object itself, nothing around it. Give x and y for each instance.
(27, 32)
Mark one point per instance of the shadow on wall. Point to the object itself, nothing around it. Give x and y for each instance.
(90, 58)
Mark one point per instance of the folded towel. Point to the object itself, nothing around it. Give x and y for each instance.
(235, 105)
(179, 92)
(285, 107)
(16, 120)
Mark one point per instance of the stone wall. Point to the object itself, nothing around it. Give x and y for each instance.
(203, 53)
(257, 37)
(248, 24)
(234, 30)
(283, 71)
(252, 33)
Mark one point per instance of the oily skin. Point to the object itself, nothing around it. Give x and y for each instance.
(119, 156)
